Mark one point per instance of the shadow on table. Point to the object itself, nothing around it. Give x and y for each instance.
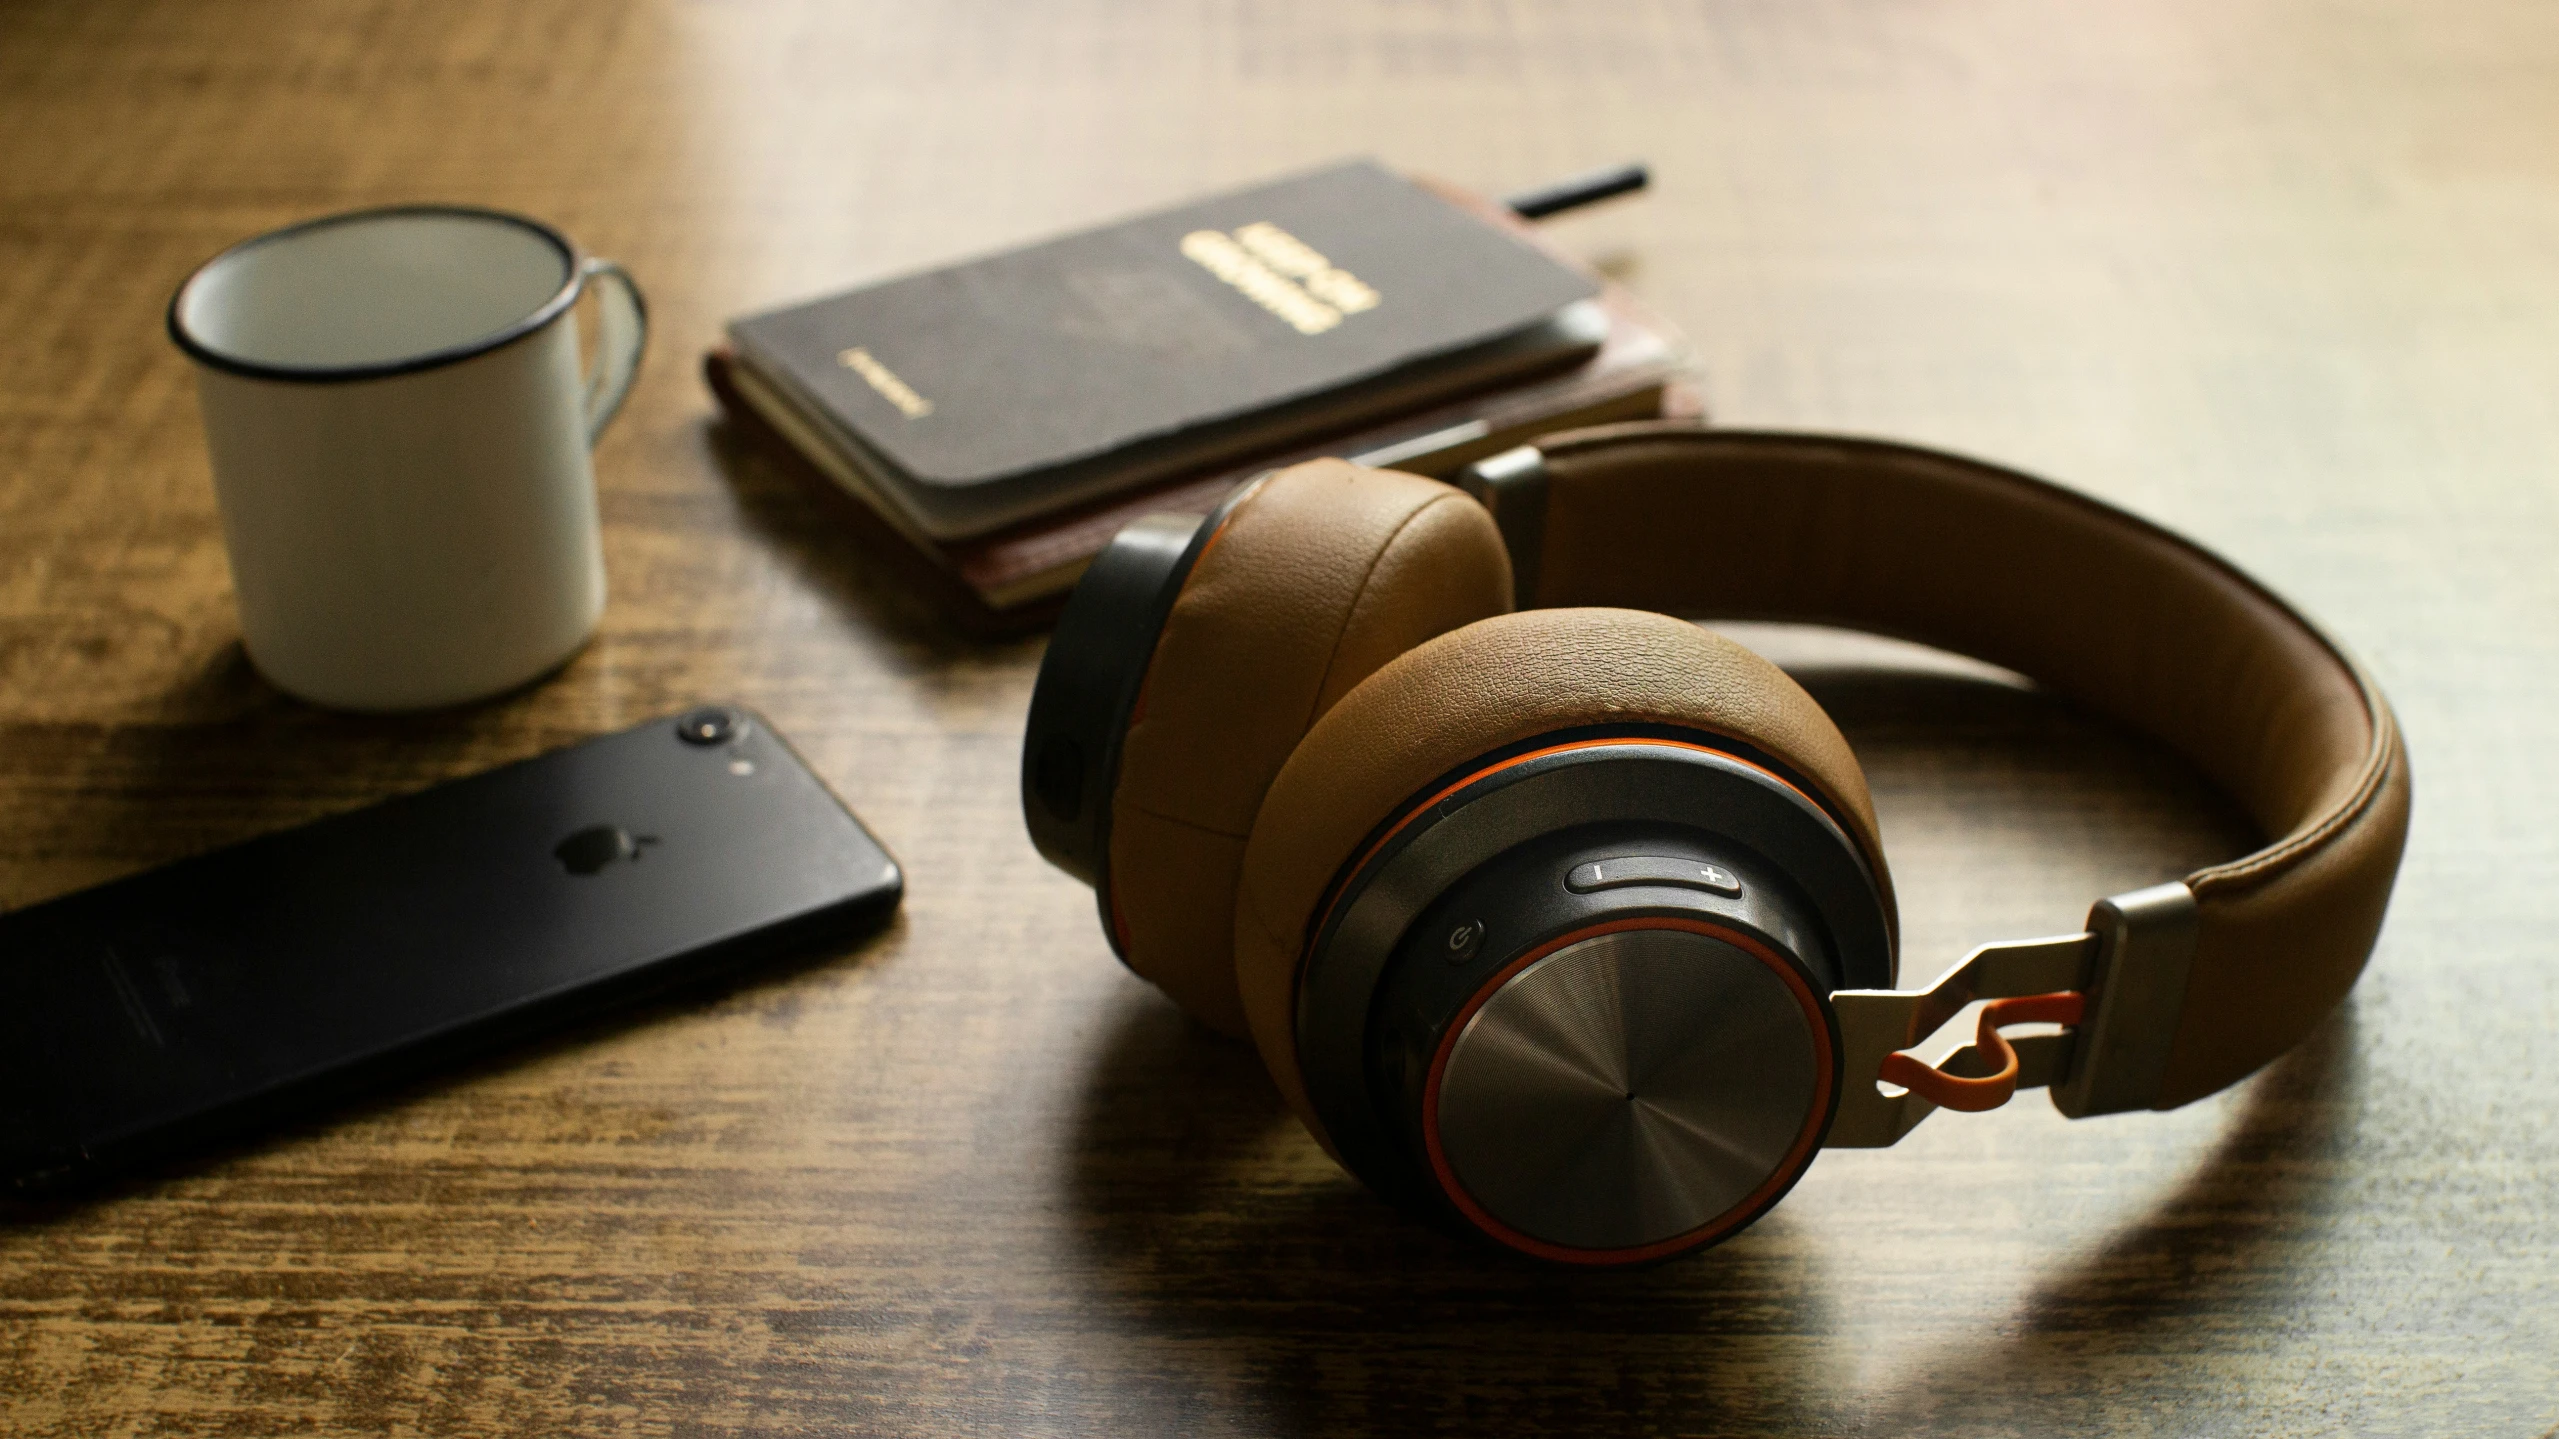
(1255, 1287)
(1260, 1288)
(229, 757)
(2231, 1252)
(814, 536)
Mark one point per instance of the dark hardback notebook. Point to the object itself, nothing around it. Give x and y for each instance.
(1002, 387)
(1013, 580)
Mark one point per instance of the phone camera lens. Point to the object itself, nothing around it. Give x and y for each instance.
(708, 725)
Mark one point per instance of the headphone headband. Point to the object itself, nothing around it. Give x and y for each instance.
(2195, 985)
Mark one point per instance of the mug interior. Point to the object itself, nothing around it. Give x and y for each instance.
(382, 288)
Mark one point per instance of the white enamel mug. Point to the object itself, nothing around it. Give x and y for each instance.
(400, 434)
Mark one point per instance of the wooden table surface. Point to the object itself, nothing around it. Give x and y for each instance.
(2283, 275)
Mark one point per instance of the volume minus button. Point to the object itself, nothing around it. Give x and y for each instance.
(1656, 869)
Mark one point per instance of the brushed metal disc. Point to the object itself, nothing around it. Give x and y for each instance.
(1627, 1089)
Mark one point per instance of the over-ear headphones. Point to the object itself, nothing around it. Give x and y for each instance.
(1567, 922)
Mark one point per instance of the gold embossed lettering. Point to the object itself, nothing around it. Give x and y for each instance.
(1282, 274)
(883, 379)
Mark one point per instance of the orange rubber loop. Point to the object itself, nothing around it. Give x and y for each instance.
(1969, 1095)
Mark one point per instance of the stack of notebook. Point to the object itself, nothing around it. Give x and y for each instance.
(990, 425)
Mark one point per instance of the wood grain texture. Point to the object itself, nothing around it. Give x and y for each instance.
(2285, 276)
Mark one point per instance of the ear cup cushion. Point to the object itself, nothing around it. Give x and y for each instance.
(1316, 579)
(1461, 696)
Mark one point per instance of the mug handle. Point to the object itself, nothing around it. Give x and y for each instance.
(622, 333)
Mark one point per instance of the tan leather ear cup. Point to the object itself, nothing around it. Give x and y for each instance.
(1323, 574)
(1466, 694)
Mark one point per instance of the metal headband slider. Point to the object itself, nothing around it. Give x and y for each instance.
(2136, 990)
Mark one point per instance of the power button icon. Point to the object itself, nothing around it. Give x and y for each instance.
(1465, 940)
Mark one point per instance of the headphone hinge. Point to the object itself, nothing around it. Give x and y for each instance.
(1876, 1023)
(1511, 486)
(2136, 991)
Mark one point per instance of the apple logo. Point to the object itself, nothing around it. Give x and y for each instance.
(591, 849)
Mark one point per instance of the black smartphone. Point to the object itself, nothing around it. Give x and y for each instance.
(157, 1013)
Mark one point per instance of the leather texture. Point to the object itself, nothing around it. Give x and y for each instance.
(1489, 685)
(1320, 576)
(2100, 607)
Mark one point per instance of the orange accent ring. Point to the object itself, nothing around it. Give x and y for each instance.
(1968, 1095)
(1751, 1204)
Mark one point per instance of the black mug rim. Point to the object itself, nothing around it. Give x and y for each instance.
(542, 315)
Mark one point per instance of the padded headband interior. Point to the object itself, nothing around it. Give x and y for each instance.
(2096, 605)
